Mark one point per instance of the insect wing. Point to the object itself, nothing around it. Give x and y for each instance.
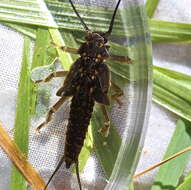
(100, 93)
(101, 98)
(68, 89)
(104, 77)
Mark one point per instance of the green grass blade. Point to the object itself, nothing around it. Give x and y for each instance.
(177, 83)
(43, 54)
(165, 31)
(151, 6)
(169, 173)
(97, 19)
(64, 57)
(33, 12)
(22, 115)
(169, 91)
(131, 187)
(171, 102)
(42, 47)
(186, 184)
(161, 31)
(26, 30)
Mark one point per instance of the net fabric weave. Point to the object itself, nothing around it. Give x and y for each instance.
(10, 61)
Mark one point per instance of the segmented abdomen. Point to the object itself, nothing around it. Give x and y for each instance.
(80, 113)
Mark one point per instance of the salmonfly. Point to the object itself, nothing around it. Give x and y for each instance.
(87, 82)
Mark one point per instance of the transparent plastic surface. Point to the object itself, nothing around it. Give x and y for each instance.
(129, 120)
(140, 100)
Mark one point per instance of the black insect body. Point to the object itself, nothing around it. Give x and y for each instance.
(87, 82)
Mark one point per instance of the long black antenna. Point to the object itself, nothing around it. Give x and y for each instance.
(108, 33)
(57, 167)
(83, 23)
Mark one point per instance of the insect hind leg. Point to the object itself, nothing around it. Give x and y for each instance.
(121, 59)
(105, 129)
(118, 94)
(53, 75)
(52, 110)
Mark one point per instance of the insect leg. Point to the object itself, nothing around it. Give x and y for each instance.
(118, 94)
(53, 75)
(105, 130)
(64, 48)
(52, 110)
(121, 59)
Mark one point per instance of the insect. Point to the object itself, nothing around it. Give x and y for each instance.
(87, 82)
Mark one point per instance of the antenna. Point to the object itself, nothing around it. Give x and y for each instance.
(108, 33)
(83, 23)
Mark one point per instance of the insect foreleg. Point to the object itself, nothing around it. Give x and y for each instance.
(118, 59)
(121, 59)
(105, 129)
(52, 110)
(53, 75)
(65, 49)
